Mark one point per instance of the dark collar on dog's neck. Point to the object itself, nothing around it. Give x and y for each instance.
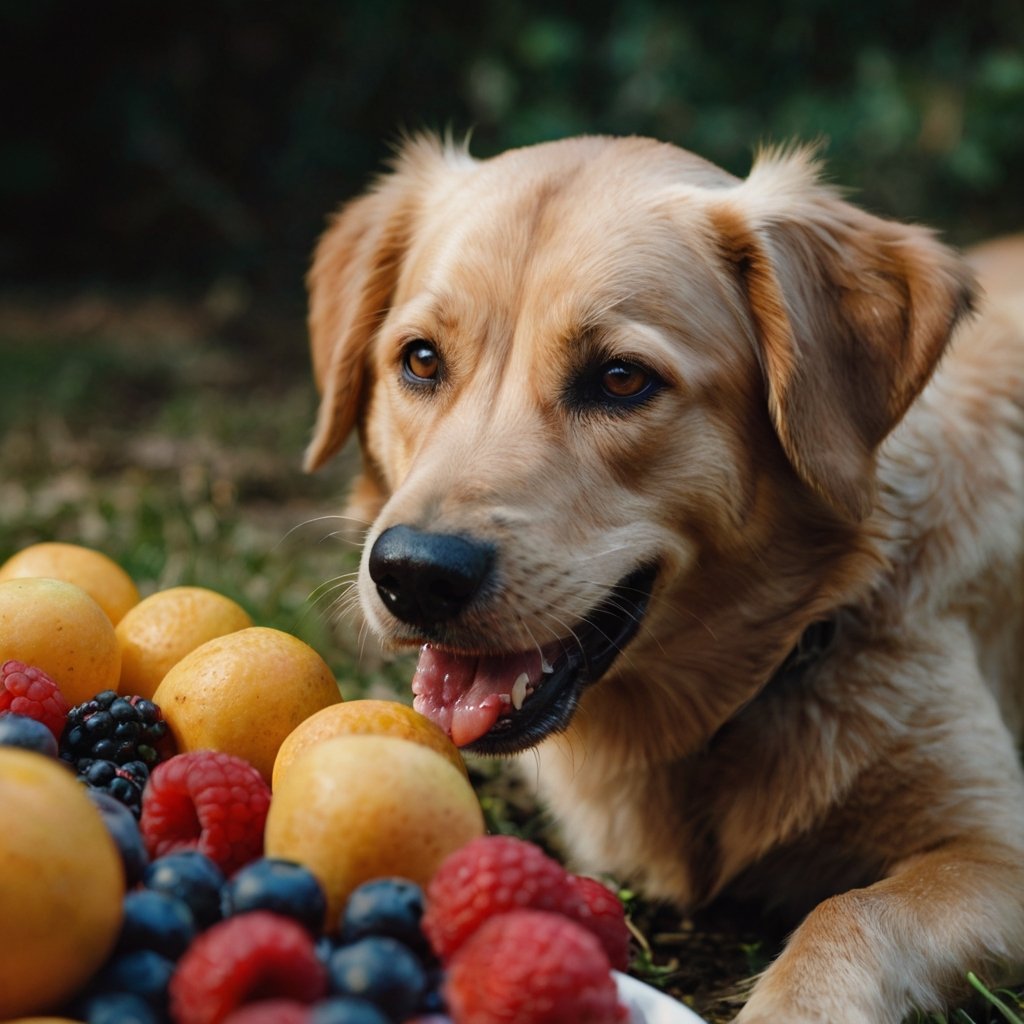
(813, 645)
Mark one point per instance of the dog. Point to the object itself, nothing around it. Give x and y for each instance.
(709, 493)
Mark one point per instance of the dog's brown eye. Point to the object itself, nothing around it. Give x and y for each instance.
(420, 362)
(615, 387)
(620, 379)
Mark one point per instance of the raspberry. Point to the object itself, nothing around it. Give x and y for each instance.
(488, 876)
(270, 1011)
(246, 958)
(26, 690)
(532, 967)
(605, 916)
(206, 800)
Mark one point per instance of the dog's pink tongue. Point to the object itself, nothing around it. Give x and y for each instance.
(465, 694)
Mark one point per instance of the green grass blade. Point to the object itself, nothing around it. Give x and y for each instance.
(1005, 1010)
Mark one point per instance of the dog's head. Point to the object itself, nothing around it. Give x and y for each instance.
(599, 384)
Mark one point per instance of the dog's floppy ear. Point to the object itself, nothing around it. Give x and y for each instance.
(352, 279)
(851, 313)
(350, 284)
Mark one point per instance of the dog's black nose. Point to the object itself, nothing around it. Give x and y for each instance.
(427, 578)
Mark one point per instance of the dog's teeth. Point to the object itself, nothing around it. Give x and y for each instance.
(519, 690)
(546, 667)
(505, 698)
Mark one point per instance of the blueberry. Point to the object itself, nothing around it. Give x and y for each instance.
(156, 921)
(325, 947)
(345, 1010)
(193, 878)
(116, 1008)
(25, 732)
(380, 970)
(433, 1001)
(143, 973)
(281, 886)
(385, 906)
(121, 824)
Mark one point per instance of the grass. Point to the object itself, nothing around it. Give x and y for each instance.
(171, 439)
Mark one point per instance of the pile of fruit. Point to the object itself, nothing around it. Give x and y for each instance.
(195, 828)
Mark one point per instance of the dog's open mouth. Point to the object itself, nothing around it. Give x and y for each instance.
(503, 703)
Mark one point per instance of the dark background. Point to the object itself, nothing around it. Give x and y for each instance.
(174, 146)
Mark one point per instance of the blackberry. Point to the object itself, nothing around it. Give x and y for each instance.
(114, 728)
(124, 782)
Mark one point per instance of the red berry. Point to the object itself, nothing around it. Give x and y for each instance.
(532, 967)
(488, 876)
(26, 690)
(206, 800)
(250, 957)
(605, 916)
(270, 1011)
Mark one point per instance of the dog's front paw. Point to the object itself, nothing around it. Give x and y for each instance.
(801, 1011)
(795, 991)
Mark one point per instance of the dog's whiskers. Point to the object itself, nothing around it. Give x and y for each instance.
(365, 527)
(322, 589)
(569, 632)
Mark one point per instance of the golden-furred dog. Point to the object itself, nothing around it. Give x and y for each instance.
(712, 490)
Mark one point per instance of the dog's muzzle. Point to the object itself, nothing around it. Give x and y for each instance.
(494, 701)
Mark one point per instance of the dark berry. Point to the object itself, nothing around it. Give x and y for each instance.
(115, 1008)
(27, 733)
(156, 921)
(385, 906)
(433, 999)
(142, 972)
(114, 728)
(281, 886)
(346, 1010)
(191, 877)
(325, 946)
(380, 970)
(124, 829)
(116, 780)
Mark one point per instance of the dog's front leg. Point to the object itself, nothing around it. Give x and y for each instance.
(870, 956)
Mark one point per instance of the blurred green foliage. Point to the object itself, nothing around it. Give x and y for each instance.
(179, 144)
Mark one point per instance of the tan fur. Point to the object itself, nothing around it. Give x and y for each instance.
(803, 462)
